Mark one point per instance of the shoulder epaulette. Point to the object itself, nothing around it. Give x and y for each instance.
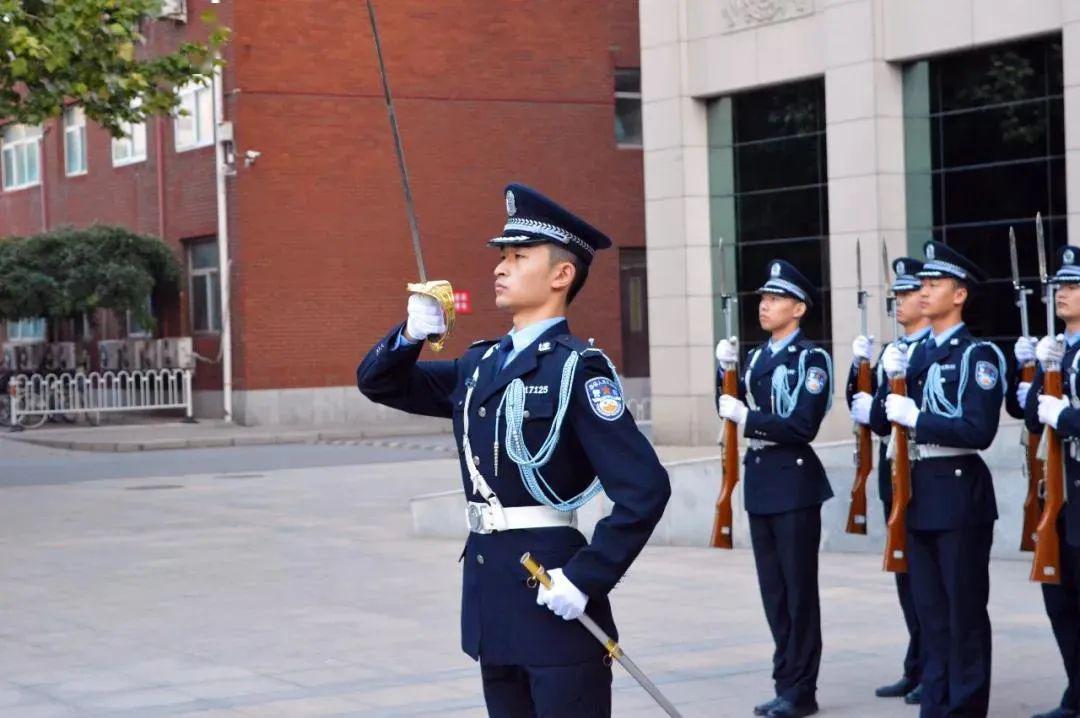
(573, 343)
(483, 343)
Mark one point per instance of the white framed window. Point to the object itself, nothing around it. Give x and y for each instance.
(20, 147)
(195, 127)
(204, 286)
(628, 107)
(74, 141)
(26, 330)
(131, 147)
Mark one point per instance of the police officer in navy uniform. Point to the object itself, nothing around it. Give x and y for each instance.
(1062, 600)
(955, 387)
(542, 425)
(784, 393)
(916, 327)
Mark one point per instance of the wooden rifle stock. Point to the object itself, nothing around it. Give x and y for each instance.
(1046, 567)
(896, 527)
(722, 522)
(864, 461)
(1034, 469)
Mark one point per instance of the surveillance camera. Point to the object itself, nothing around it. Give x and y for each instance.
(250, 156)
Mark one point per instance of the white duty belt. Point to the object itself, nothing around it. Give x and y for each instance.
(491, 516)
(927, 451)
(759, 444)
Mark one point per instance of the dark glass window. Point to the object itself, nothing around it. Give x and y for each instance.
(628, 107)
(775, 142)
(997, 157)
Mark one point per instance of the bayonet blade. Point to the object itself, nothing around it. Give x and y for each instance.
(858, 268)
(1040, 247)
(1013, 260)
(720, 252)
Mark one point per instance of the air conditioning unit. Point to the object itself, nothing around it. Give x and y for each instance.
(60, 356)
(145, 353)
(177, 353)
(29, 358)
(112, 355)
(175, 10)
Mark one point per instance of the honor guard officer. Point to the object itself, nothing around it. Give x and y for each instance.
(542, 426)
(955, 387)
(916, 327)
(787, 389)
(1062, 600)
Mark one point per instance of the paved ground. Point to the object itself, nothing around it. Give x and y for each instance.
(281, 581)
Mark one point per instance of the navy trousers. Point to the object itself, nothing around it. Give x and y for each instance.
(950, 582)
(576, 691)
(1063, 608)
(912, 659)
(786, 555)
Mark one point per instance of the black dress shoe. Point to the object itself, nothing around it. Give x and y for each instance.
(896, 690)
(786, 709)
(914, 698)
(764, 708)
(1058, 712)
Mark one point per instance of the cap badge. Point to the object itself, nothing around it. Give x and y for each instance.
(900, 268)
(511, 203)
(1068, 256)
(929, 251)
(775, 271)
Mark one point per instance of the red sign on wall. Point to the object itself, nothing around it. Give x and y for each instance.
(462, 302)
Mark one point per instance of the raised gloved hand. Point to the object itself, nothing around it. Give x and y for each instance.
(733, 409)
(1022, 390)
(860, 407)
(425, 318)
(1024, 350)
(727, 352)
(1050, 350)
(563, 598)
(862, 348)
(901, 410)
(1050, 408)
(895, 360)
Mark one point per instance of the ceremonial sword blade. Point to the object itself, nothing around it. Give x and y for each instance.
(648, 685)
(399, 149)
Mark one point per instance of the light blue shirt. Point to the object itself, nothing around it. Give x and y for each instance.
(525, 337)
(1071, 338)
(917, 336)
(940, 339)
(776, 347)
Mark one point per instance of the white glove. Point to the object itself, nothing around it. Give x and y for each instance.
(901, 410)
(727, 352)
(1049, 350)
(733, 409)
(1022, 391)
(1050, 408)
(425, 318)
(860, 407)
(895, 360)
(862, 348)
(563, 598)
(1024, 350)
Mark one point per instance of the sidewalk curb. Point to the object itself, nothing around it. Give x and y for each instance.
(300, 436)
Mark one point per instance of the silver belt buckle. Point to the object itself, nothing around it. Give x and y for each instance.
(474, 517)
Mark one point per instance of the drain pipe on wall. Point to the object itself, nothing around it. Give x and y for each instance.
(224, 156)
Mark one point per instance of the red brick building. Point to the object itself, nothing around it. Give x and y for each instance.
(486, 93)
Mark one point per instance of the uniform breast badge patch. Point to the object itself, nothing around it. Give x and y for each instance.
(605, 398)
(986, 375)
(815, 380)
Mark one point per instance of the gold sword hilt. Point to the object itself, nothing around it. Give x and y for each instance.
(443, 293)
(538, 575)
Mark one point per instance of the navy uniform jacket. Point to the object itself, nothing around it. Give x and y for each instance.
(789, 475)
(1068, 430)
(500, 621)
(951, 492)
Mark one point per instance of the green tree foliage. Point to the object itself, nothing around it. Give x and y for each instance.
(55, 51)
(70, 272)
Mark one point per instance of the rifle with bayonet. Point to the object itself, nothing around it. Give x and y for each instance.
(1046, 566)
(729, 434)
(864, 447)
(896, 525)
(1032, 464)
